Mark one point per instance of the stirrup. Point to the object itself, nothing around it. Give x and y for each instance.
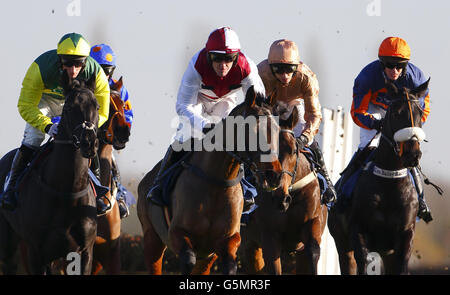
(248, 203)
(102, 208)
(123, 208)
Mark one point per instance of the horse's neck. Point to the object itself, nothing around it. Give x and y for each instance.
(386, 158)
(66, 170)
(216, 164)
(105, 152)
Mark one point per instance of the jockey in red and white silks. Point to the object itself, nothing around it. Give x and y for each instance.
(204, 96)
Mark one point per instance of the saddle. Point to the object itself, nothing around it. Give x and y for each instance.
(38, 158)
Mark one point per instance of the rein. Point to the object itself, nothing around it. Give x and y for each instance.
(118, 112)
(304, 181)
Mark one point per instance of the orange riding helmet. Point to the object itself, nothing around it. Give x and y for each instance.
(394, 47)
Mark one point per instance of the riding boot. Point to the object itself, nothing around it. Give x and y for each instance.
(424, 212)
(20, 162)
(102, 208)
(155, 193)
(329, 195)
(355, 163)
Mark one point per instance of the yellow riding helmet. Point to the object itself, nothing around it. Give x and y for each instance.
(73, 44)
(284, 52)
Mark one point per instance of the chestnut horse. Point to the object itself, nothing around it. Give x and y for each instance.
(115, 134)
(384, 205)
(56, 211)
(290, 218)
(207, 199)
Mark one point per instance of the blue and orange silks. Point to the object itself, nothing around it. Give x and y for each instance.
(369, 89)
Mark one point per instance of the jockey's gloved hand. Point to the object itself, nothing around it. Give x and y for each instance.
(377, 125)
(51, 129)
(302, 141)
(208, 127)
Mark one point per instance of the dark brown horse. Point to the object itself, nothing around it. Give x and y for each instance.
(56, 211)
(290, 218)
(114, 134)
(207, 200)
(381, 218)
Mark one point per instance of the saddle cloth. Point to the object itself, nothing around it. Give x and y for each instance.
(170, 177)
(38, 158)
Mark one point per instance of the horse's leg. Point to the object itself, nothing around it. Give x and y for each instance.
(203, 266)
(227, 250)
(347, 263)
(8, 245)
(253, 258)
(271, 252)
(86, 260)
(154, 250)
(311, 237)
(109, 225)
(107, 244)
(360, 248)
(402, 252)
(35, 263)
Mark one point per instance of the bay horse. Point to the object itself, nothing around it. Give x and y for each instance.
(382, 215)
(114, 134)
(203, 222)
(56, 212)
(290, 218)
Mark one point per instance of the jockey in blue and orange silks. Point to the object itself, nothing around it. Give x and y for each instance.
(370, 102)
(106, 58)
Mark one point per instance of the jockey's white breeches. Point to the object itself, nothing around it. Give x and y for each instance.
(50, 107)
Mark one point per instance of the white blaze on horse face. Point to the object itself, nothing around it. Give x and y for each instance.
(269, 130)
(410, 133)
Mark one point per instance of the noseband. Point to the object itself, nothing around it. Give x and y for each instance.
(405, 134)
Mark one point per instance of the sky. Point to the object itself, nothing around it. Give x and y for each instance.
(154, 41)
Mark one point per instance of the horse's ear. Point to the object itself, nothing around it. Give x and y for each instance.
(118, 85)
(67, 83)
(391, 88)
(91, 83)
(292, 120)
(421, 89)
(250, 97)
(271, 98)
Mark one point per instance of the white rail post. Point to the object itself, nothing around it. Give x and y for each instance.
(335, 138)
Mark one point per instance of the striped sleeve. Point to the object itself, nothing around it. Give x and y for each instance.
(362, 95)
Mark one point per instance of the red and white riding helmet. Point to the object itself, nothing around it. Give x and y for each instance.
(223, 40)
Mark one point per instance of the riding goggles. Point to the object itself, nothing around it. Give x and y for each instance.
(220, 57)
(283, 68)
(398, 66)
(73, 62)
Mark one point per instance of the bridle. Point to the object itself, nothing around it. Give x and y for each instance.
(77, 132)
(397, 140)
(117, 112)
(292, 174)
